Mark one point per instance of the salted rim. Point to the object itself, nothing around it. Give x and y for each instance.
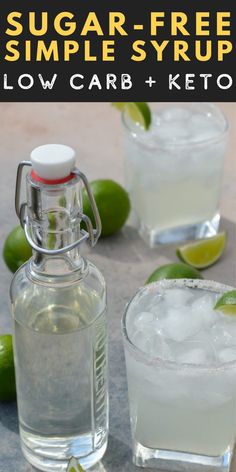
(134, 131)
(209, 285)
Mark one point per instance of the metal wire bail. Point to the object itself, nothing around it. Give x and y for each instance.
(92, 234)
(20, 207)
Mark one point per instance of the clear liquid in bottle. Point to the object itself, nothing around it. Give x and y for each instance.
(60, 335)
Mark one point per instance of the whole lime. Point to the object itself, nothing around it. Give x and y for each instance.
(16, 250)
(7, 370)
(174, 270)
(113, 205)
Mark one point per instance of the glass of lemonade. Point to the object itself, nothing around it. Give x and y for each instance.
(174, 170)
(181, 370)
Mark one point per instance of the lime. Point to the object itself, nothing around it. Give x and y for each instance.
(119, 105)
(52, 226)
(112, 202)
(52, 221)
(7, 371)
(74, 466)
(204, 253)
(16, 249)
(227, 303)
(139, 112)
(174, 270)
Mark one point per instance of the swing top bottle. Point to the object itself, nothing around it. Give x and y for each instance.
(59, 311)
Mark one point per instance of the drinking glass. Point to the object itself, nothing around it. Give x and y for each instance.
(173, 171)
(181, 376)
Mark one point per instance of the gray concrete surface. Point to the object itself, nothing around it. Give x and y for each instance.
(95, 131)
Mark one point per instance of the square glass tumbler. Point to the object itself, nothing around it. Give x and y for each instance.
(181, 372)
(173, 171)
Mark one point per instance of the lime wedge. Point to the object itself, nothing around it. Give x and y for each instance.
(204, 253)
(74, 466)
(119, 105)
(139, 112)
(175, 270)
(227, 303)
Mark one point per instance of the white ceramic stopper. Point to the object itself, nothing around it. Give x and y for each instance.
(53, 161)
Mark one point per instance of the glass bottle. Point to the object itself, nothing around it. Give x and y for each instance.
(59, 309)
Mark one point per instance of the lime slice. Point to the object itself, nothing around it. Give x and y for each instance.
(175, 270)
(204, 253)
(139, 112)
(227, 303)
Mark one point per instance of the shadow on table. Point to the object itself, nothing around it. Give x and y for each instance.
(117, 456)
(127, 246)
(98, 468)
(124, 246)
(8, 416)
(117, 459)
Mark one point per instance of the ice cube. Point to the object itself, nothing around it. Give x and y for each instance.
(154, 306)
(223, 333)
(151, 344)
(139, 339)
(228, 354)
(178, 297)
(203, 308)
(143, 319)
(193, 356)
(176, 113)
(157, 347)
(204, 302)
(173, 131)
(194, 353)
(202, 127)
(180, 324)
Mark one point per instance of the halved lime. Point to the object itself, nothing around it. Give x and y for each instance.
(204, 253)
(139, 112)
(174, 270)
(227, 303)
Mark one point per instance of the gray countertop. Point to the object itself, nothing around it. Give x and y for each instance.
(125, 262)
(124, 259)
